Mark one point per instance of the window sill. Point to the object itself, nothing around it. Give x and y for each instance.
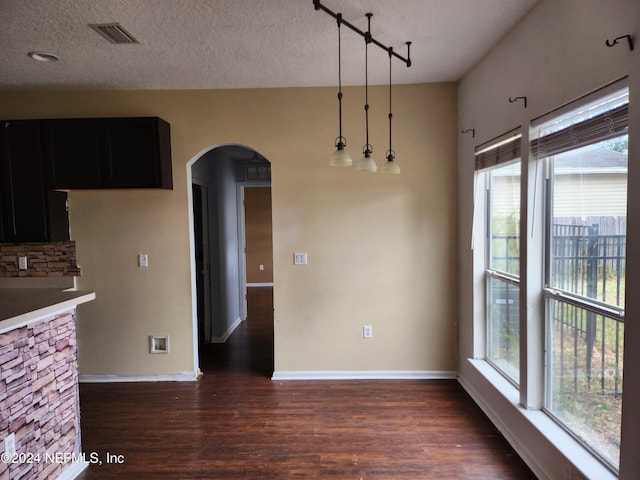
(545, 446)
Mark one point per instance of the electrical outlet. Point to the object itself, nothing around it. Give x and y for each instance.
(10, 444)
(22, 263)
(367, 331)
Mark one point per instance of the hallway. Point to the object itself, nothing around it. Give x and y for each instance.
(235, 422)
(249, 350)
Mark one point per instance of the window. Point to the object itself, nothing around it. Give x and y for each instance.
(565, 257)
(498, 165)
(584, 152)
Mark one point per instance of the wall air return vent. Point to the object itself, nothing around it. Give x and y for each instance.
(114, 33)
(253, 173)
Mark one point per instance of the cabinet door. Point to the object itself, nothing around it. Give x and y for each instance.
(58, 216)
(139, 153)
(132, 159)
(6, 189)
(72, 150)
(22, 192)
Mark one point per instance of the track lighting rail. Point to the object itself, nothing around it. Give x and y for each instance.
(366, 35)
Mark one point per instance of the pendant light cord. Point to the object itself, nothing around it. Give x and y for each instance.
(390, 114)
(366, 90)
(367, 40)
(339, 18)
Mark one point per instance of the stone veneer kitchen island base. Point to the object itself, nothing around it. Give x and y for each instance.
(39, 399)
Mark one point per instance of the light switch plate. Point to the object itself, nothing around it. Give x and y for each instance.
(300, 258)
(367, 332)
(22, 263)
(143, 260)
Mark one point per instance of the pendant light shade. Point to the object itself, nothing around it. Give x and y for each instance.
(366, 163)
(390, 166)
(340, 158)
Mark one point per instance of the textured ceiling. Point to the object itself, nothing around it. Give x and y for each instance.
(202, 44)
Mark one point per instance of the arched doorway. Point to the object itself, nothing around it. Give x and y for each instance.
(219, 179)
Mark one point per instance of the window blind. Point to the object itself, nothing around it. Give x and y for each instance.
(498, 151)
(612, 123)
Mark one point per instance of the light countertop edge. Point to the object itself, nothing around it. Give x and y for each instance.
(21, 306)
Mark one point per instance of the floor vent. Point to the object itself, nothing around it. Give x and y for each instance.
(114, 33)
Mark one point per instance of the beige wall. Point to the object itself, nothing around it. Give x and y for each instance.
(381, 248)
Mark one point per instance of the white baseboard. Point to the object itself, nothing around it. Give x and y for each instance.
(72, 471)
(264, 284)
(228, 333)
(160, 377)
(364, 375)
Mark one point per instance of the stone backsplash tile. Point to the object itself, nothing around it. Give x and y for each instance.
(39, 400)
(43, 259)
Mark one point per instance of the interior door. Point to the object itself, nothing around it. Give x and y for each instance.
(258, 236)
(203, 263)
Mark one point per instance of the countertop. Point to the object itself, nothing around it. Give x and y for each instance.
(19, 306)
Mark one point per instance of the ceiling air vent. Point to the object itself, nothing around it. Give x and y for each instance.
(114, 33)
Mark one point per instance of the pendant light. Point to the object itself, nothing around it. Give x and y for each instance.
(390, 166)
(366, 163)
(340, 158)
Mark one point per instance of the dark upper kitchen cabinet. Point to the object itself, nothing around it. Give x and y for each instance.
(139, 153)
(72, 153)
(40, 157)
(23, 202)
(107, 153)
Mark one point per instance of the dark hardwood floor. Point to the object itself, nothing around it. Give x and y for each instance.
(238, 423)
